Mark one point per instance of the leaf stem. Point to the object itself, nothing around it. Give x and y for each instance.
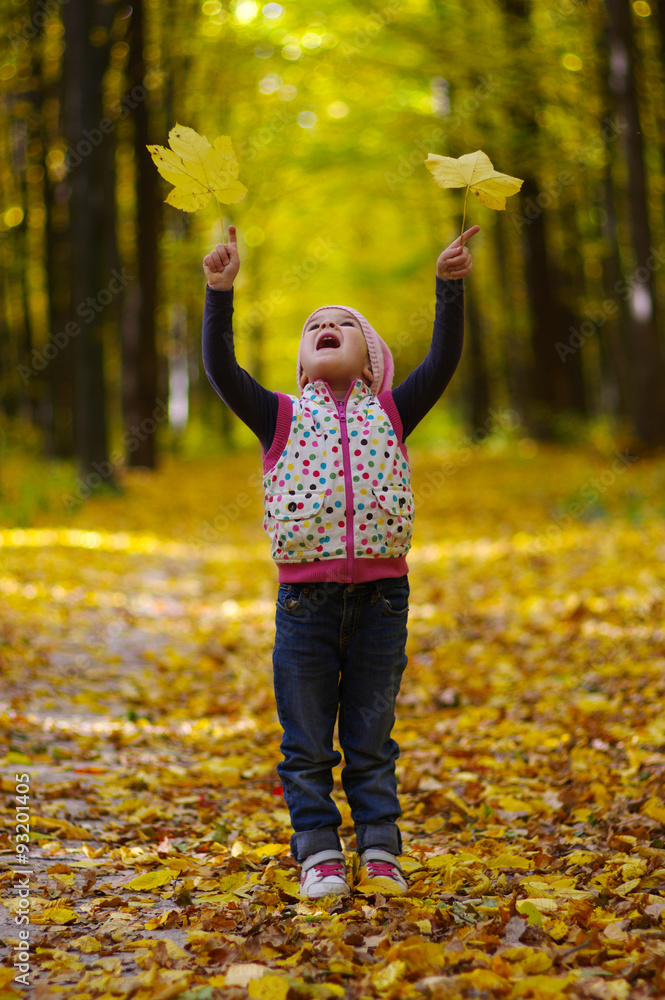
(464, 211)
(221, 221)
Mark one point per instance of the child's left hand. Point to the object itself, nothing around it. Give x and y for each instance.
(455, 261)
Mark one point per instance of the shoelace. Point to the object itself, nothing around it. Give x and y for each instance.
(382, 869)
(328, 868)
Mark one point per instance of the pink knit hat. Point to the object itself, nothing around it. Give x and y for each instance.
(380, 358)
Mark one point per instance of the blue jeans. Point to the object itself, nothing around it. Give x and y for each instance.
(340, 646)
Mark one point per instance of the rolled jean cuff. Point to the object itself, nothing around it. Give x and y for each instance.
(308, 842)
(384, 835)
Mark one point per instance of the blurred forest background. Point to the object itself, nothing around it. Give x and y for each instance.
(332, 106)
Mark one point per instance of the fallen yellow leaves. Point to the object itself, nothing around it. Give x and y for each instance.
(531, 769)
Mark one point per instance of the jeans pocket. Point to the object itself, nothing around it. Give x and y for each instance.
(290, 598)
(394, 598)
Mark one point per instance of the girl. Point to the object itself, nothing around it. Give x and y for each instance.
(339, 514)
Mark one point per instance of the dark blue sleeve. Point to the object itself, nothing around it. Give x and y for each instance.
(256, 406)
(418, 393)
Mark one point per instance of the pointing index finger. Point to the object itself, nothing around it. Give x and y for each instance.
(468, 234)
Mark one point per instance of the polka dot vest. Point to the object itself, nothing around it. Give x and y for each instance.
(342, 484)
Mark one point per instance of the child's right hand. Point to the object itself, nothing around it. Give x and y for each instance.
(455, 261)
(222, 264)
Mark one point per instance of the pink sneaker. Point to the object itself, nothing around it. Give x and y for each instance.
(324, 873)
(380, 871)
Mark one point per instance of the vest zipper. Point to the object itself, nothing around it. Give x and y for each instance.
(348, 483)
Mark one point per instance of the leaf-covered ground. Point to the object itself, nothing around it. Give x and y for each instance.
(137, 696)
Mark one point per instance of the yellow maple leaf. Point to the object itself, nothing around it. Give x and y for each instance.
(55, 915)
(579, 858)
(198, 170)
(151, 880)
(475, 172)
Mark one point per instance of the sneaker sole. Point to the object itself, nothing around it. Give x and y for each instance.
(327, 892)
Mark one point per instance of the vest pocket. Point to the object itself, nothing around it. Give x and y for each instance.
(293, 519)
(395, 513)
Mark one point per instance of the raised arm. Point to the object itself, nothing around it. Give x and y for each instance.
(255, 405)
(418, 393)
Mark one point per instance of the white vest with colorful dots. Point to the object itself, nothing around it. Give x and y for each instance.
(341, 488)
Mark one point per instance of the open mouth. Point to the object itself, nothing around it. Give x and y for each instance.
(326, 341)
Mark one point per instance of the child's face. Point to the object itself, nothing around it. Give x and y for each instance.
(333, 348)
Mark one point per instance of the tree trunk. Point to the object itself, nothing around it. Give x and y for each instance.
(476, 371)
(550, 381)
(554, 386)
(660, 111)
(648, 369)
(512, 353)
(29, 399)
(91, 280)
(139, 348)
(58, 405)
(617, 326)
(569, 290)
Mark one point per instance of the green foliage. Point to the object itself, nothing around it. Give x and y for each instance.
(333, 112)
